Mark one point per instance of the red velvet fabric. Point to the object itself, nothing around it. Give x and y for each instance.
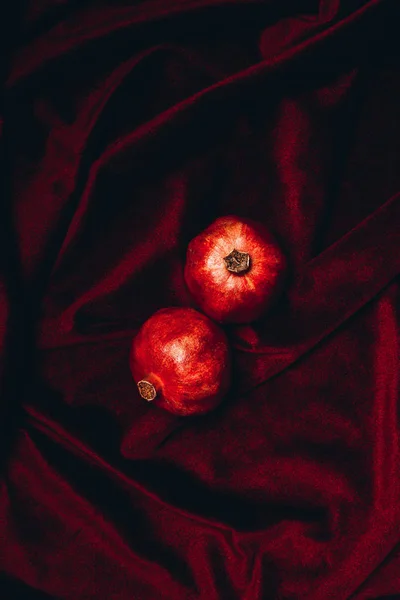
(127, 127)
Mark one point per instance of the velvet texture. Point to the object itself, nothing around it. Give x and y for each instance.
(127, 128)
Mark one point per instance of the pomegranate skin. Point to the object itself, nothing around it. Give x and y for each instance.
(180, 360)
(234, 270)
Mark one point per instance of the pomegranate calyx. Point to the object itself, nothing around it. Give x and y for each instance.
(147, 390)
(237, 262)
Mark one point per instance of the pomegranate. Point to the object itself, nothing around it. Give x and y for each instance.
(180, 360)
(234, 270)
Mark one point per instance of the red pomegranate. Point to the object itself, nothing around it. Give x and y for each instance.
(234, 270)
(180, 360)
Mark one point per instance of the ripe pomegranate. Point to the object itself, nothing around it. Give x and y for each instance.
(234, 270)
(180, 360)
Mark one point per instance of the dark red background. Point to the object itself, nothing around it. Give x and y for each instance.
(127, 127)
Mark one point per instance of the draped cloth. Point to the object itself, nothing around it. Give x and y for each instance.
(126, 129)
